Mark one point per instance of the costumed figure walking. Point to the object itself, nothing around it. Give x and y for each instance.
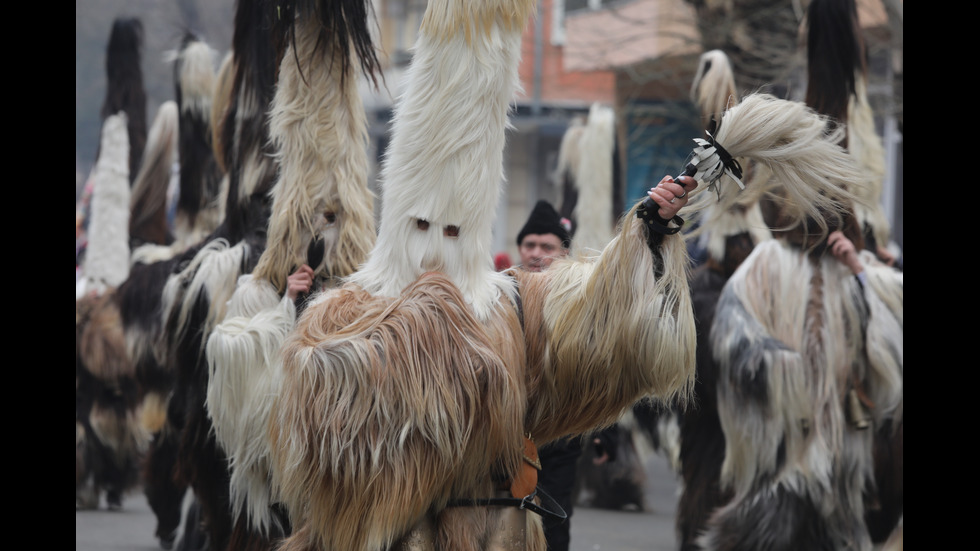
(196, 293)
(414, 395)
(152, 263)
(109, 394)
(727, 235)
(109, 440)
(807, 337)
(320, 230)
(837, 86)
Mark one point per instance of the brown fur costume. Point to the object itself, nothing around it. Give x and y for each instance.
(109, 440)
(390, 407)
(108, 433)
(417, 382)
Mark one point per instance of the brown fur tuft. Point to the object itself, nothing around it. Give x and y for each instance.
(379, 391)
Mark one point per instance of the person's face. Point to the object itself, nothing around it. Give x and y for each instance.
(538, 250)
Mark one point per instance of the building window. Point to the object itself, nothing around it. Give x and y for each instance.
(561, 7)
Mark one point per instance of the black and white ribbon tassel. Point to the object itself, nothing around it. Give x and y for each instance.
(711, 161)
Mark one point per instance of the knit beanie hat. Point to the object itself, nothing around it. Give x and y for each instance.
(544, 219)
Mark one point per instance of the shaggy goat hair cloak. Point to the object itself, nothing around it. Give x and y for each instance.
(196, 294)
(417, 381)
(319, 126)
(796, 460)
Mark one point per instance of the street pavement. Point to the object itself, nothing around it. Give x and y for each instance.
(651, 529)
(131, 528)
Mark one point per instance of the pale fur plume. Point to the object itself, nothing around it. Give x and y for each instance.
(445, 162)
(224, 87)
(196, 82)
(378, 391)
(593, 210)
(148, 203)
(865, 144)
(713, 89)
(203, 181)
(243, 364)
(106, 262)
(197, 78)
(569, 155)
(610, 348)
(800, 149)
(212, 273)
(320, 131)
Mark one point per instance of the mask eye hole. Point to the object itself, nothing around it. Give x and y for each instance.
(330, 217)
(422, 224)
(451, 231)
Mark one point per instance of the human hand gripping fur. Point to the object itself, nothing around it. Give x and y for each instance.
(671, 195)
(299, 282)
(844, 251)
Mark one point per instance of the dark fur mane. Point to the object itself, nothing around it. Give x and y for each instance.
(258, 45)
(835, 52)
(200, 175)
(124, 88)
(345, 23)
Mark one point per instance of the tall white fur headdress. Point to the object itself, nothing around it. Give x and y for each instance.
(443, 173)
(586, 157)
(106, 262)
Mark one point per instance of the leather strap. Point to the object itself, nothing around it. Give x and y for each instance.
(548, 508)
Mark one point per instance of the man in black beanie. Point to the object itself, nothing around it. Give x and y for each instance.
(544, 237)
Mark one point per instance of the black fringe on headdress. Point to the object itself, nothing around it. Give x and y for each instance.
(258, 45)
(346, 22)
(200, 175)
(835, 51)
(124, 85)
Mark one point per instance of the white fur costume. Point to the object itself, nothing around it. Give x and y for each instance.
(793, 337)
(106, 263)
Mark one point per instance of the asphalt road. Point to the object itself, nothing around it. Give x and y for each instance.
(652, 529)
